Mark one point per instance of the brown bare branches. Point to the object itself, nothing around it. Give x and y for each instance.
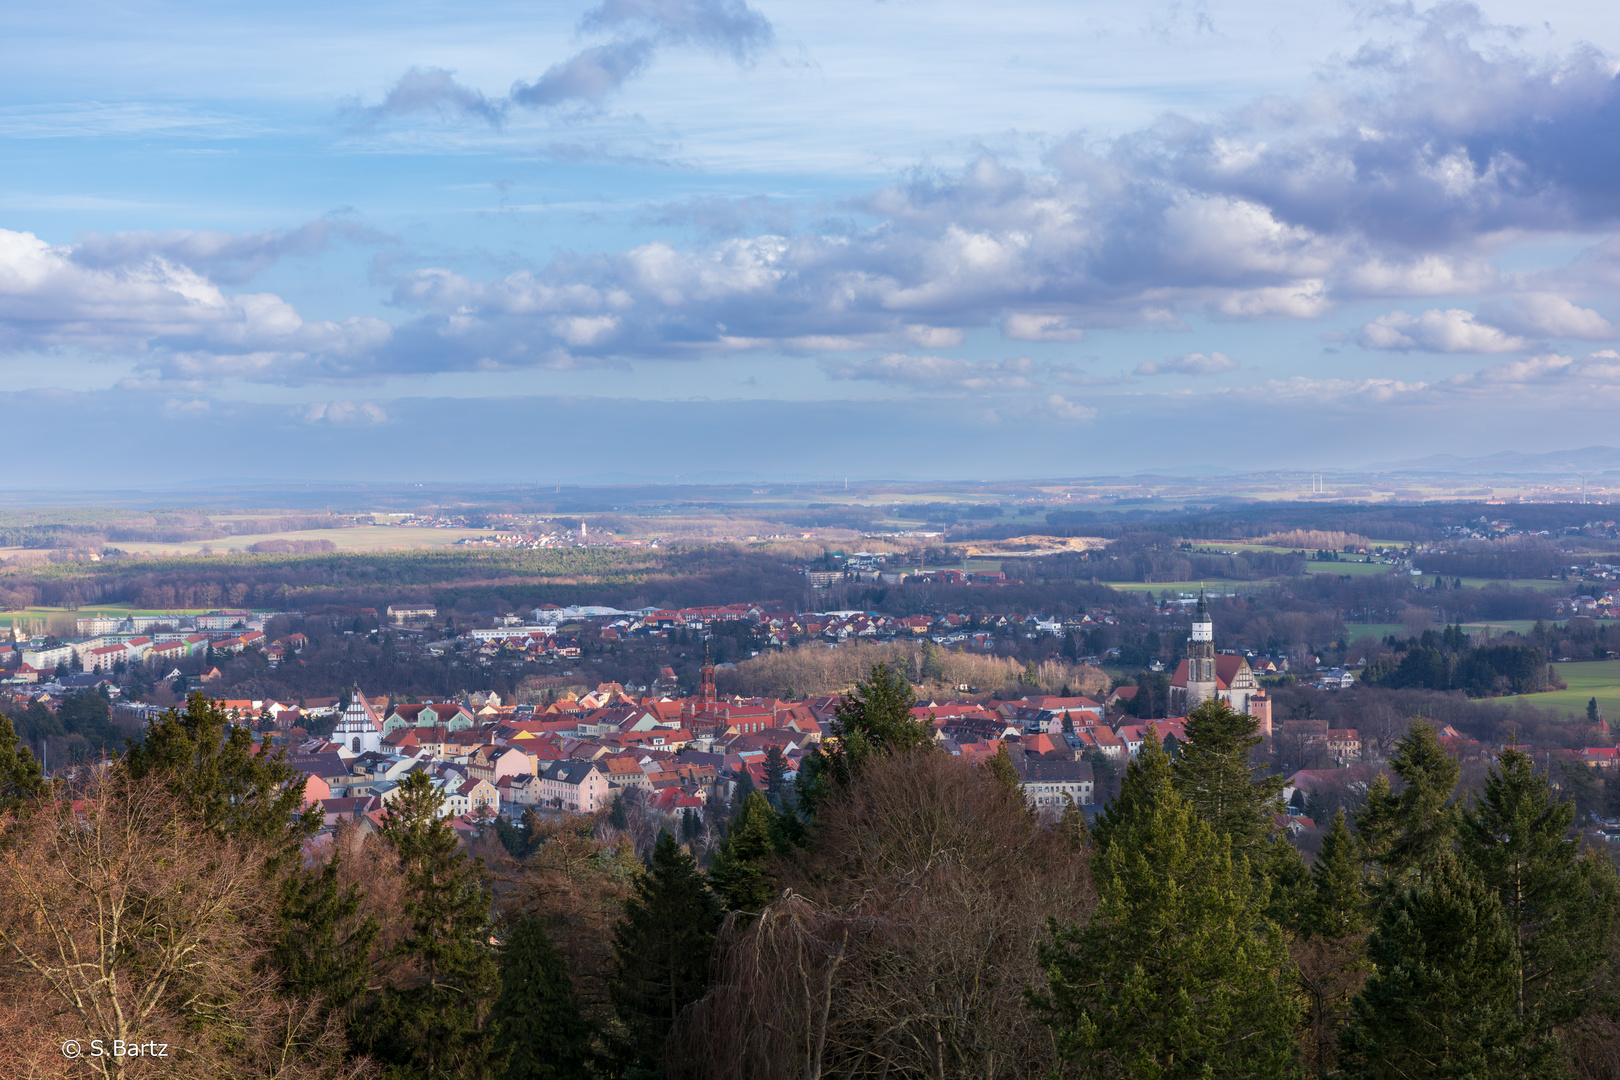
(904, 950)
(122, 925)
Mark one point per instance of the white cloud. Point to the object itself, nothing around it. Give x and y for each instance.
(178, 321)
(1191, 364)
(1551, 315)
(1446, 331)
(344, 412)
(1027, 326)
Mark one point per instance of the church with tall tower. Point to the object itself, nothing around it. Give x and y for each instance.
(1206, 674)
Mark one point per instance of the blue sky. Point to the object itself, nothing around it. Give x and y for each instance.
(910, 239)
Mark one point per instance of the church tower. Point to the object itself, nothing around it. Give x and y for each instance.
(1201, 656)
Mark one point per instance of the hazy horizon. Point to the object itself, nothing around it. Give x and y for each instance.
(780, 238)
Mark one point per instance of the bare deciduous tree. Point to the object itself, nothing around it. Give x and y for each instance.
(125, 927)
(903, 947)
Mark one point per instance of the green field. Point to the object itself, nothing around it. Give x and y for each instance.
(1377, 631)
(1586, 680)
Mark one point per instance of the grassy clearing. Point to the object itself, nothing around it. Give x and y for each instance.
(1586, 680)
(1377, 631)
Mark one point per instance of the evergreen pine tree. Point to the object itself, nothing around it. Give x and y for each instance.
(1592, 713)
(776, 782)
(539, 1032)
(323, 951)
(431, 1025)
(1216, 775)
(740, 874)
(1440, 1001)
(1413, 830)
(21, 778)
(661, 951)
(1559, 906)
(1286, 884)
(213, 770)
(874, 718)
(1338, 903)
(1144, 776)
(1177, 974)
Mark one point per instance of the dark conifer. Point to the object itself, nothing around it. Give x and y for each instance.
(1215, 773)
(539, 1032)
(661, 951)
(1561, 908)
(1440, 1001)
(1338, 901)
(21, 778)
(740, 874)
(1413, 830)
(431, 1025)
(1177, 974)
(324, 950)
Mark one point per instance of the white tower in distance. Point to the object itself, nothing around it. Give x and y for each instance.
(1201, 684)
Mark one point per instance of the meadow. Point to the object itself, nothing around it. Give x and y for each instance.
(1584, 680)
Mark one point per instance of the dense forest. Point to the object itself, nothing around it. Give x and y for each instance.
(894, 913)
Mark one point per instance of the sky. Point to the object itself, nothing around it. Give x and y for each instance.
(909, 239)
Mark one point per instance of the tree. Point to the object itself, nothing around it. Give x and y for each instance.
(1560, 908)
(122, 919)
(21, 778)
(430, 1022)
(1440, 1001)
(1330, 952)
(1407, 834)
(1593, 714)
(871, 720)
(211, 766)
(539, 1032)
(661, 951)
(903, 942)
(1338, 903)
(1177, 974)
(324, 948)
(776, 782)
(1006, 773)
(740, 874)
(1216, 776)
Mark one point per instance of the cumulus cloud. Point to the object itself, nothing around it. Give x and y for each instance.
(344, 413)
(1192, 364)
(1549, 315)
(177, 321)
(1027, 326)
(723, 26)
(1444, 331)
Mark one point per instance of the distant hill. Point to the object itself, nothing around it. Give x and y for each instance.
(1593, 459)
